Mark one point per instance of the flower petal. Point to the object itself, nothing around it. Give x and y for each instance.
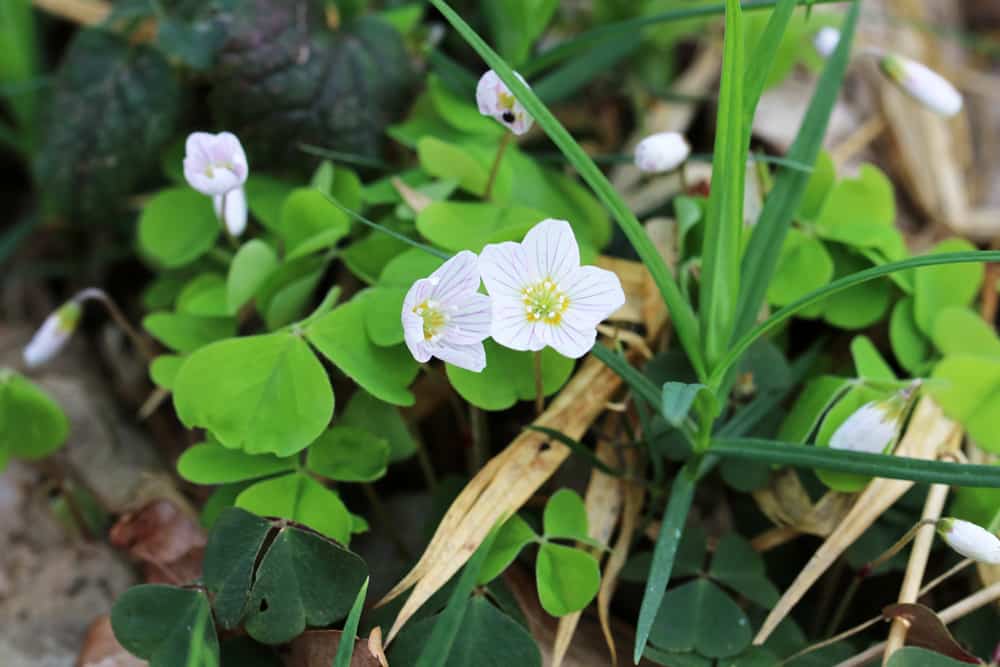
(505, 271)
(235, 217)
(512, 329)
(552, 251)
(470, 357)
(594, 294)
(571, 338)
(456, 277)
(470, 321)
(413, 324)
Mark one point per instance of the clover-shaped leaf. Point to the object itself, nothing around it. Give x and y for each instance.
(211, 463)
(514, 535)
(382, 420)
(252, 265)
(262, 394)
(567, 578)
(348, 454)
(32, 426)
(699, 616)
(277, 578)
(177, 226)
(183, 332)
(738, 566)
(565, 516)
(300, 498)
(509, 377)
(161, 624)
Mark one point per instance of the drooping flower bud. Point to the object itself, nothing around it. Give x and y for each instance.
(495, 99)
(53, 335)
(970, 540)
(661, 152)
(922, 84)
(826, 41)
(235, 216)
(874, 426)
(214, 164)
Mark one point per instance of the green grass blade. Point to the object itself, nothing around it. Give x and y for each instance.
(665, 551)
(763, 57)
(570, 77)
(764, 248)
(633, 27)
(720, 254)
(345, 650)
(578, 448)
(741, 346)
(685, 322)
(439, 644)
(639, 383)
(862, 463)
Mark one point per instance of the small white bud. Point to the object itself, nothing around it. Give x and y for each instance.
(922, 84)
(826, 41)
(871, 428)
(53, 335)
(661, 152)
(214, 164)
(495, 99)
(970, 540)
(235, 216)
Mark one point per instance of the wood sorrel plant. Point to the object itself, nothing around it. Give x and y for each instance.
(262, 342)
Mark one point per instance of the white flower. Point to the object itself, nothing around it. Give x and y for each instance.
(871, 428)
(495, 99)
(444, 315)
(922, 84)
(826, 41)
(214, 164)
(235, 216)
(661, 152)
(542, 296)
(970, 540)
(54, 333)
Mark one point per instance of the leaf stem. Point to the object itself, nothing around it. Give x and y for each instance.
(539, 385)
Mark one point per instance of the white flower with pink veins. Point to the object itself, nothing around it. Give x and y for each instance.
(445, 316)
(542, 297)
(214, 164)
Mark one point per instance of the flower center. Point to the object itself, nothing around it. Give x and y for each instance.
(544, 302)
(435, 319)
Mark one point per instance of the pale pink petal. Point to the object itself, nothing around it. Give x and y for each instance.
(505, 269)
(214, 164)
(471, 357)
(552, 251)
(458, 276)
(594, 294)
(470, 321)
(512, 329)
(235, 217)
(413, 324)
(493, 98)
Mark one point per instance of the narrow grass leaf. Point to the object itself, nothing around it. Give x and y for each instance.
(862, 463)
(761, 257)
(578, 448)
(685, 322)
(345, 650)
(737, 349)
(674, 516)
(720, 254)
(638, 382)
(763, 57)
(442, 638)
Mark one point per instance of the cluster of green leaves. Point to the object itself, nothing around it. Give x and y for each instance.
(269, 577)
(32, 425)
(567, 577)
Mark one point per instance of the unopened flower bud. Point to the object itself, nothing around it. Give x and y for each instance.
(495, 99)
(874, 426)
(922, 84)
(970, 540)
(53, 335)
(234, 218)
(214, 164)
(826, 41)
(661, 152)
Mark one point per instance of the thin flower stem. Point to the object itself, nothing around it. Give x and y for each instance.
(917, 565)
(870, 567)
(501, 149)
(480, 439)
(539, 386)
(99, 295)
